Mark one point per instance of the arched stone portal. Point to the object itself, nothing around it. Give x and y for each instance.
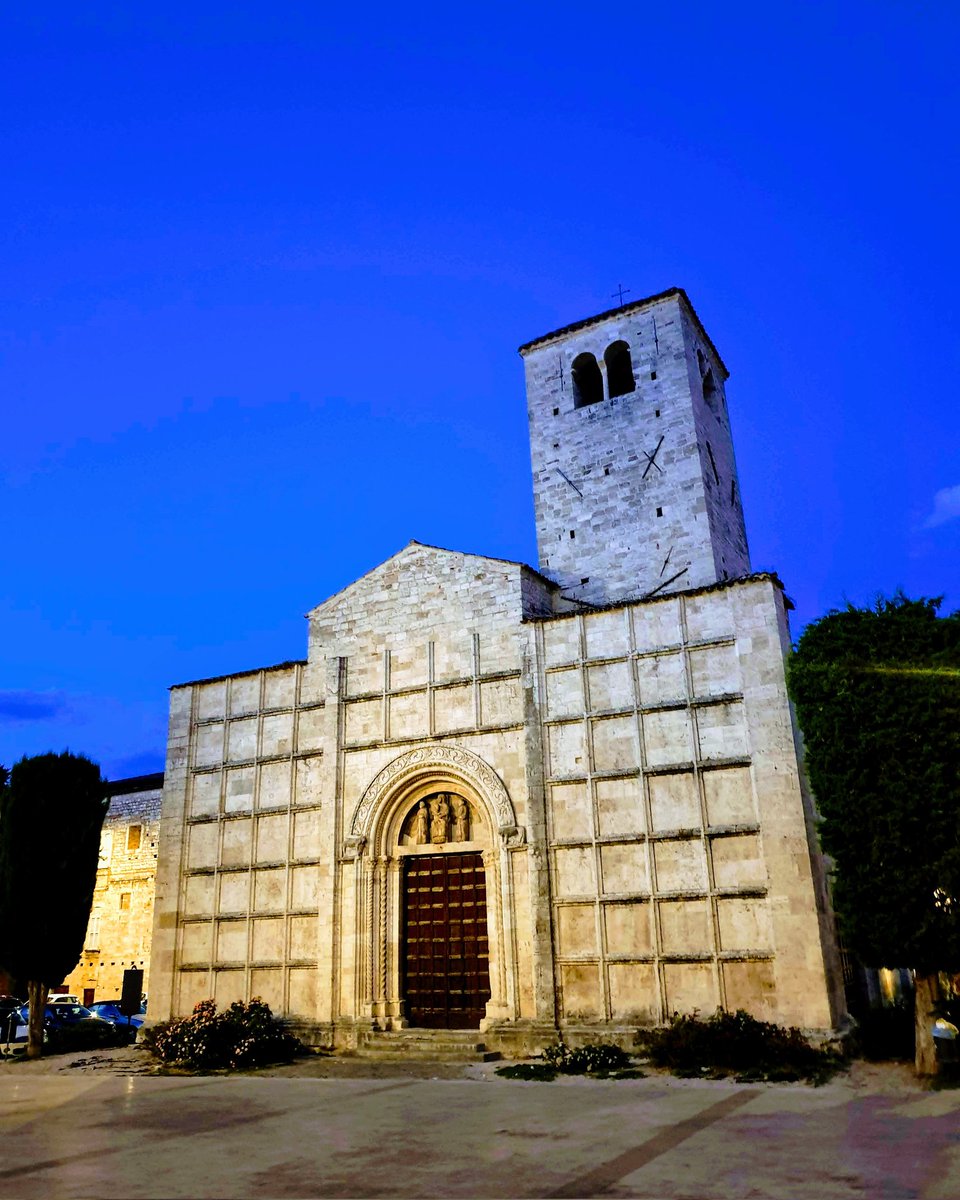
(436, 823)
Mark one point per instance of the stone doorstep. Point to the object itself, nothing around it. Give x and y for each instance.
(441, 1045)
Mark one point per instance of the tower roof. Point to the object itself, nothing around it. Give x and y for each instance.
(623, 309)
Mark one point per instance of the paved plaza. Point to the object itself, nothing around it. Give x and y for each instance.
(379, 1130)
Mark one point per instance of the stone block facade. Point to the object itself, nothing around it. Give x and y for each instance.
(632, 787)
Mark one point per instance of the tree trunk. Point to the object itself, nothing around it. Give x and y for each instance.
(37, 993)
(926, 994)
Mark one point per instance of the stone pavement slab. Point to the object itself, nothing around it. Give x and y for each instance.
(84, 1134)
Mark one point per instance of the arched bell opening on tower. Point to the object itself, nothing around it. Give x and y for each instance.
(587, 381)
(620, 378)
(710, 393)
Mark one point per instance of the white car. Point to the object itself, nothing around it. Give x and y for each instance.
(58, 999)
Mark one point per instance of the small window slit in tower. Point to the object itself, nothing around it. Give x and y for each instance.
(713, 462)
(653, 374)
(659, 512)
(556, 412)
(585, 579)
(656, 412)
(733, 491)
(573, 533)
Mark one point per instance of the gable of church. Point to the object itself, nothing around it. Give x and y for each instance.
(427, 593)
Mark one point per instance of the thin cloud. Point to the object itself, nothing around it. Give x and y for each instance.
(946, 507)
(31, 706)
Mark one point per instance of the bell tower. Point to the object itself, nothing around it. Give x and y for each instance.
(634, 476)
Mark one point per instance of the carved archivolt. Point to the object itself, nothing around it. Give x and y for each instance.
(444, 761)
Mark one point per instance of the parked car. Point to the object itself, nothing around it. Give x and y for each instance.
(62, 999)
(73, 1027)
(110, 1011)
(8, 1004)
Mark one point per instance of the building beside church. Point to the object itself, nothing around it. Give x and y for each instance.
(121, 918)
(512, 799)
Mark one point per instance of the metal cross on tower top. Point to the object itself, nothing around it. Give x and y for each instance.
(620, 293)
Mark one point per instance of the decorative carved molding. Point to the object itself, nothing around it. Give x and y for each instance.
(450, 760)
(352, 847)
(513, 837)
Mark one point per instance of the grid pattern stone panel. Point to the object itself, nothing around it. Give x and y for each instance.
(651, 812)
(253, 804)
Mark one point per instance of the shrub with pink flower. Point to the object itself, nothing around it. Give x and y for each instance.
(243, 1035)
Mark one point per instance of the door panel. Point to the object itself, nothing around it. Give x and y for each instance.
(446, 976)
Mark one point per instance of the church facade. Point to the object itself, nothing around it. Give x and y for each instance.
(520, 800)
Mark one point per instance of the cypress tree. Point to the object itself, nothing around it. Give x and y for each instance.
(51, 812)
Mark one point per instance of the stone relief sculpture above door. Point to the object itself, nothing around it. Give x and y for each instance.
(437, 820)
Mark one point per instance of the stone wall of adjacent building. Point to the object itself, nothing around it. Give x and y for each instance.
(120, 929)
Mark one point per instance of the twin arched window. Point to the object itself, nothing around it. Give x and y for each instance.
(588, 379)
(619, 369)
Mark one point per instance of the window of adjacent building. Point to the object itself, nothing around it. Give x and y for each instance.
(93, 930)
(133, 837)
(124, 901)
(620, 378)
(587, 381)
(106, 846)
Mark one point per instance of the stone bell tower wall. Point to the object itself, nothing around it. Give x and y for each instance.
(633, 491)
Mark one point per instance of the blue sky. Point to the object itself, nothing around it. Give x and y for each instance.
(265, 269)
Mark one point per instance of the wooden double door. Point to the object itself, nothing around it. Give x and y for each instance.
(446, 975)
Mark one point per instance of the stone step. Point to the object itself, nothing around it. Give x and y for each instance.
(399, 1055)
(437, 1045)
(424, 1044)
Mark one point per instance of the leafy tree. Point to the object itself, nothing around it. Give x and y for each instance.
(877, 693)
(51, 811)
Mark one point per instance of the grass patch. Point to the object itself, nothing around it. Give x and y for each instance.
(539, 1071)
(594, 1059)
(602, 1060)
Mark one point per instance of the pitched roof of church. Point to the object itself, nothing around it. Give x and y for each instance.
(720, 585)
(510, 562)
(633, 306)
